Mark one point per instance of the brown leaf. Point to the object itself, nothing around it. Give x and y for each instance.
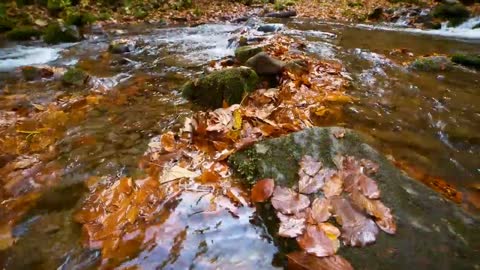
(357, 229)
(309, 165)
(368, 187)
(167, 141)
(315, 241)
(300, 260)
(333, 186)
(289, 202)
(262, 190)
(320, 211)
(290, 226)
(369, 167)
(375, 208)
(311, 184)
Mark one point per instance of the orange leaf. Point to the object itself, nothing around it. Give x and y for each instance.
(262, 190)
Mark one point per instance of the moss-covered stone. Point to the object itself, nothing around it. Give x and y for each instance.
(75, 76)
(456, 13)
(245, 52)
(468, 60)
(433, 233)
(57, 33)
(24, 33)
(432, 63)
(229, 85)
(79, 18)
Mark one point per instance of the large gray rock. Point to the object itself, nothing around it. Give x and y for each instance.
(264, 64)
(433, 233)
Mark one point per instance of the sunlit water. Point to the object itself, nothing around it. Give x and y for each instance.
(429, 119)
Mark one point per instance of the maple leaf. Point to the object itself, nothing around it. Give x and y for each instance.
(290, 226)
(262, 190)
(300, 260)
(288, 201)
(315, 241)
(357, 229)
(320, 211)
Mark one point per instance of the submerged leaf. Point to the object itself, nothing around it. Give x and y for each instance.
(315, 241)
(289, 202)
(357, 229)
(290, 226)
(262, 190)
(300, 260)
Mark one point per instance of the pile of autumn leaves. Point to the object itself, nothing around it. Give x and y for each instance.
(348, 195)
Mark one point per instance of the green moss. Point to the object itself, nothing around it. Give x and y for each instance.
(455, 13)
(467, 60)
(432, 63)
(56, 33)
(74, 76)
(56, 5)
(246, 52)
(229, 85)
(79, 19)
(23, 33)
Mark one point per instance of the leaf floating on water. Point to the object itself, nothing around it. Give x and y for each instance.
(357, 229)
(320, 211)
(289, 202)
(375, 208)
(262, 190)
(177, 172)
(333, 186)
(300, 260)
(315, 241)
(290, 226)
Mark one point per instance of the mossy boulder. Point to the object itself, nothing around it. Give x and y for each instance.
(455, 13)
(432, 233)
(79, 18)
(75, 76)
(6, 23)
(432, 63)
(31, 73)
(246, 52)
(24, 33)
(58, 33)
(468, 60)
(229, 85)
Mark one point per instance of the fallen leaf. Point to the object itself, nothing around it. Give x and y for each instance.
(290, 226)
(6, 238)
(357, 229)
(368, 187)
(320, 211)
(262, 190)
(289, 202)
(167, 141)
(375, 208)
(333, 186)
(368, 166)
(300, 260)
(309, 165)
(177, 172)
(311, 184)
(315, 241)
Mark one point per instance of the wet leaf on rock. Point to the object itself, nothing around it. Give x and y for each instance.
(262, 190)
(375, 208)
(288, 201)
(309, 165)
(315, 241)
(290, 226)
(177, 172)
(300, 260)
(369, 167)
(320, 211)
(357, 229)
(333, 186)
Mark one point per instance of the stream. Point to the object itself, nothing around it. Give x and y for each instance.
(431, 120)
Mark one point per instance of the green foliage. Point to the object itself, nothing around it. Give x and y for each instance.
(140, 13)
(183, 4)
(58, 4)
(23, 33)
(283, 4)
(77, 18)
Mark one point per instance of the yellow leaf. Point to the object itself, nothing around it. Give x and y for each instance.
(237, 119)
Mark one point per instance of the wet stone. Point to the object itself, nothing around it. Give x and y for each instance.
(432, 232)
(263, 64)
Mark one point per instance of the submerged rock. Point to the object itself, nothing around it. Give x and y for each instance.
(468, 60)
(31, 73)
(269, 28)
(432, 233)
(58, 33)
(432, 63)
(282, 14)
(119, 47)
(264, 64)
(75, 76)
(24, 33)
(229, 85)
(246, 52)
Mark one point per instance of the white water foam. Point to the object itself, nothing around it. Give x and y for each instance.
(14, 57)
(463, 31)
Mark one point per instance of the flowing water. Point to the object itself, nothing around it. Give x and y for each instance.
(429, 119)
